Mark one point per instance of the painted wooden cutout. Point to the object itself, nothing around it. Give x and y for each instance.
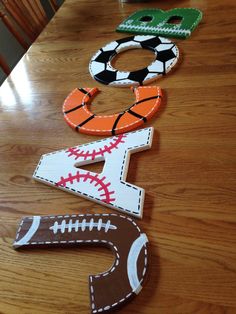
(159, 22)
(166, 53)
(121, 234)
(80, 118)
(61, 169)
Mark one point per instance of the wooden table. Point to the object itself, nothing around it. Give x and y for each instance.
(188, 175)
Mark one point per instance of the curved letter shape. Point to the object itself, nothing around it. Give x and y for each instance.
(166, 56)
(80, 118)
(124, 279)
(158, 22)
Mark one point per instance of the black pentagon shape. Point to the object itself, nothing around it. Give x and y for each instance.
(105, 77)
(138, 76)
(165, 55)
(125, 40)
(105, 56)
(151, 43)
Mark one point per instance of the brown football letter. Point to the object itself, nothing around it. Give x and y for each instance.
(121, 234)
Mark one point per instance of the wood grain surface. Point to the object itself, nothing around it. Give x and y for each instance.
(189, 174)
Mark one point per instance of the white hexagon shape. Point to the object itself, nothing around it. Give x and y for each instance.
(143, 37)
(122, 75)
(176, 51)
(128, 45)
(125, 82)
(96, 55)
(163, 47)
(151, 77)
(170, 63)
(96, 67)
(110, 46)
(156, 66)
(165, 40)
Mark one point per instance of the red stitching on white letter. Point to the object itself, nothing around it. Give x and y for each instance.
(103, 187)
(75, 152)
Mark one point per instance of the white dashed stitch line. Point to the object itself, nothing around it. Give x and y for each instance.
(161, 29)
(107, 196)
(81, 146)
(114, 143)
(116, 263)
(83, 215)
(122, 171)
(19, 228)
(143, 273)
(94, 142)
(117, 114)
(85, 103)
(101, 241)
(114, 53)
(145, 262)
(87, 195)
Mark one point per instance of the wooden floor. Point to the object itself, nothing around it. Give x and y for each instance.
(189, 174)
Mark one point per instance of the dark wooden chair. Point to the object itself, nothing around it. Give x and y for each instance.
(11, 27)
(4, 66)
(25, 18)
